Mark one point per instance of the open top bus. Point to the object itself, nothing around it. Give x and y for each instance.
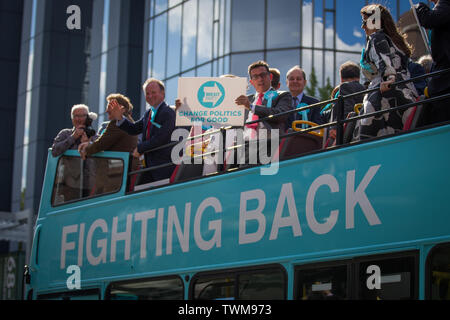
(366, 220)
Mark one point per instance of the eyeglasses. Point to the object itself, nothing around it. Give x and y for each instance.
(80, 115)
(261, 75)
(364, 23)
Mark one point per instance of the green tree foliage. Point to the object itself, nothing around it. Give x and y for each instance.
(313, 87)
(312, 84)
(325, 92)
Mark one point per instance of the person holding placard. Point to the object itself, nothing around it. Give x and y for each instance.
(264, 103)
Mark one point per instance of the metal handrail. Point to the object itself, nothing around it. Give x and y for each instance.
(338, 123)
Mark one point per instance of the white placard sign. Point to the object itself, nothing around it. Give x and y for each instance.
(210, 101)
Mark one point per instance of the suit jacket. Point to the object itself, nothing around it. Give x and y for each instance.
(165, 117)
(347, 88)
(437, 20)
(282, 103)
(113, 139)
(313, 113)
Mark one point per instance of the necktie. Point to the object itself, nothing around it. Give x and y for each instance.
(254, 116)
(253, 126)
(295, 99)
(260, 99)
(295, 103)
(151, 118)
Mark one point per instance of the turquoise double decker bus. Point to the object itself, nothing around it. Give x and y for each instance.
(365, 220)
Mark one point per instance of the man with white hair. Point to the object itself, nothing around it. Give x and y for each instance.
(296, 82)
(73, 187)
(71, 138)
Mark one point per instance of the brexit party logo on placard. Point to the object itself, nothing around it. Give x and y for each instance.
(211, 94)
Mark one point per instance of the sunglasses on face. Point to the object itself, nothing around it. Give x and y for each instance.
(261, 75)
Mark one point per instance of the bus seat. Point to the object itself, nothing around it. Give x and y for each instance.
(186, 171)
(132, 182)
(349, 127)
(299, 144)
(414, 117)
(417, 116)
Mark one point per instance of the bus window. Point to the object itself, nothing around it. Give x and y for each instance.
(220, 288)
(262, 285)
(242, 285)
(92, 294)
(147, 289)
(322, 283)
(397, 279)
(99, 176)
(438, 273)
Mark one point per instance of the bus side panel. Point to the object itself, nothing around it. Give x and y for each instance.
(383, 193)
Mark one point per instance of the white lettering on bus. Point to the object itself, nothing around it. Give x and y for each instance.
(144, 216)
(316, 227)
(81, 245)
(207, 224)
(215, 225)
(173, 221)
(256, 214)
(159, 232)
(66, 246)
(292, 220)
(102, 243)
(359, 196)
(121, 236)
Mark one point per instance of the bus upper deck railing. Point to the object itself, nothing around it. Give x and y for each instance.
(338, 124)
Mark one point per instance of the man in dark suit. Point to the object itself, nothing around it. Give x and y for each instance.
(437, 20)
(264, 103)
(296, 82)
(156, 127)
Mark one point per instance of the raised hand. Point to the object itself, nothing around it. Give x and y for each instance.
(116, 110)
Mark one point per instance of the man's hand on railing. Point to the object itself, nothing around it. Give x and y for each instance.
(82, 150)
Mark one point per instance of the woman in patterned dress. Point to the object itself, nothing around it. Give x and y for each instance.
(384, 61)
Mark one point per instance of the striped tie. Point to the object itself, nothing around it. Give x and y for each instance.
(253, 126)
